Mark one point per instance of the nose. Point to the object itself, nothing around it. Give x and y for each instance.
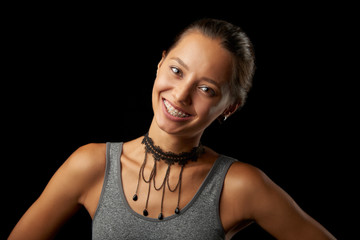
(182, 92)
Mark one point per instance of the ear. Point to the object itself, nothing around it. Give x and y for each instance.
(162, 59)
(229, 111)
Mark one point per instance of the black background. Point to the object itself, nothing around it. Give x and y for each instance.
(84, 73)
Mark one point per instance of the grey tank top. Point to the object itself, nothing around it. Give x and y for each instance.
(199, 219)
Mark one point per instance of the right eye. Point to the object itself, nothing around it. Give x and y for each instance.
(176, 71)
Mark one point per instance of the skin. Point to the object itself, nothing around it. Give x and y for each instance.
(193, 77)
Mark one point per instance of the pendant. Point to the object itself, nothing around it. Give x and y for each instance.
(135, 197)
(177, 210)
(145, 212)
(160, 217)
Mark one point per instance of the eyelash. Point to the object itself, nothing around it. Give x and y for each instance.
(208, 90)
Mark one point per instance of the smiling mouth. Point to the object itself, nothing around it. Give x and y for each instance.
(174, 111)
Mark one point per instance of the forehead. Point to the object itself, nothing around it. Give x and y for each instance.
(204, 56)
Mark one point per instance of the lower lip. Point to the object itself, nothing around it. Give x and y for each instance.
(171, 117)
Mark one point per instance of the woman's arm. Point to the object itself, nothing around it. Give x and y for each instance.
(63, 195)
(272, 208)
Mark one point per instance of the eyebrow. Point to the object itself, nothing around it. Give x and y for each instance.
(181, 62)
(211, 81)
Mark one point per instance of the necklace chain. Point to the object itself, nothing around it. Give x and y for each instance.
(170, 158)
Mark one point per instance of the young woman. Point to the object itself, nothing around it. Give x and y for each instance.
(165, 184)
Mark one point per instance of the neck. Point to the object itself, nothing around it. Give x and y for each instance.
(172, 142)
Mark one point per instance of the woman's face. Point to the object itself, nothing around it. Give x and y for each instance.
(191, 87)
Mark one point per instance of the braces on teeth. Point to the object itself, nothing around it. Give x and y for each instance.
(173, 111)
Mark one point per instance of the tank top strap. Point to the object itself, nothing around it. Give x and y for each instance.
(214, 182)
(210, 191)
(111, 176)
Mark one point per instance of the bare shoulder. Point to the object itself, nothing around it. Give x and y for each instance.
(86, 167)
(242, 187)
(246, 177)
(90, 158)
(252, 187)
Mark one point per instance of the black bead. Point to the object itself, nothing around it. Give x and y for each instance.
(160, 217)
(177, 210)
(145, 212)
(135, 198)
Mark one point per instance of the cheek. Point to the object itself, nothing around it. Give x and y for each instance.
(211, 110)
(208, 111)
(160, 84)
(156, 88)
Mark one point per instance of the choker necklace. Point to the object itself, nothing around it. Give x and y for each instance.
(170, 158)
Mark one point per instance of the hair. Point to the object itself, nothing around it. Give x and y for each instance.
(235, 40)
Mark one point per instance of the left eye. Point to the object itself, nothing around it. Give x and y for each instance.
(207, 90)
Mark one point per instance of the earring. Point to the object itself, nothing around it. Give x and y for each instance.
(222, 118)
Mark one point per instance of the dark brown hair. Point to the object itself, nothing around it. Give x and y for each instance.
(233, 39)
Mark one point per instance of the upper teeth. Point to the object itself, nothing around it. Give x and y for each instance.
(173, 111)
